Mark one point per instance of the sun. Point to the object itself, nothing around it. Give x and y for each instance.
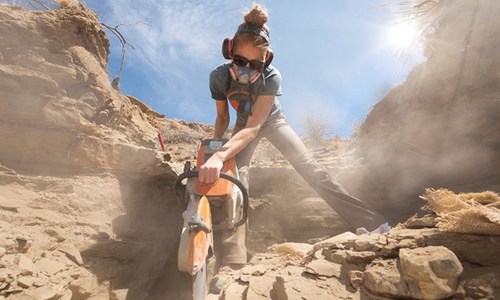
(402, 35)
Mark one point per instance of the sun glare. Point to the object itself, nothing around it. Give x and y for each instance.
(402, 35)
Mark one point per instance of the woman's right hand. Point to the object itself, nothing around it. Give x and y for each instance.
(209, 172)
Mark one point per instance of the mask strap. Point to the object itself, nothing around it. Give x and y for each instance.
(255, 77)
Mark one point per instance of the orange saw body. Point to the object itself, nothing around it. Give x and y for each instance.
(221, 205)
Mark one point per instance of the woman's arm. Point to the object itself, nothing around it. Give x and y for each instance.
(222, 119)
(209, 172)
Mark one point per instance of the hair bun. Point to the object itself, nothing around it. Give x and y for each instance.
(257, 15)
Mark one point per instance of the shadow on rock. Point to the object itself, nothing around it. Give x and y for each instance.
(140, 260)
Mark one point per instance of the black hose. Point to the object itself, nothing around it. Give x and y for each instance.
(239, 184)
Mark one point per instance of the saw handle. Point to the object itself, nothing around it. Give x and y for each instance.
(239, 184)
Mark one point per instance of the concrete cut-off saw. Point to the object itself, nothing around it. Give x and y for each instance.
(221, 205)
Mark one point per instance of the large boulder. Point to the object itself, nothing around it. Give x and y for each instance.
(430, 272)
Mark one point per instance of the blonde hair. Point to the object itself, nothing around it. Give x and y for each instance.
(256, 16)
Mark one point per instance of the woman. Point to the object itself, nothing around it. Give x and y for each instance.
(251, 85)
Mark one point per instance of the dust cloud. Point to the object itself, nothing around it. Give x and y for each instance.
(441, 127)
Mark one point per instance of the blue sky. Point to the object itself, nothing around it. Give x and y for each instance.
(337, 57)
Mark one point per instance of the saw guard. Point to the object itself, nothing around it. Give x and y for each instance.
(195, 243)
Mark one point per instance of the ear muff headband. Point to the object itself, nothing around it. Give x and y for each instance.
(253, 29)
(227, 45)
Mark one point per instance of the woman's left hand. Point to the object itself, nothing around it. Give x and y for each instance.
(210, 171)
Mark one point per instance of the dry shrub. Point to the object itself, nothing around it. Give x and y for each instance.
(317, 129)
(484, 198)
(66, 3)
(465, 213)
(443, 201)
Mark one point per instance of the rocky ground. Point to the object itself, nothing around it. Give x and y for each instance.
(87, 209)
(403, 264)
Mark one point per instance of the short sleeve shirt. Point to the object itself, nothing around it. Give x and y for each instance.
(223, 88)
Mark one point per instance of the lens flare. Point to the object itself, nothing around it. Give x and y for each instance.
(402, 35)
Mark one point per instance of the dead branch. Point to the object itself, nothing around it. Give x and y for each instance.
(40, 3)
(124, 43)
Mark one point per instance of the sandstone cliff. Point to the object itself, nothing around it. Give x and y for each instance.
(85, 201)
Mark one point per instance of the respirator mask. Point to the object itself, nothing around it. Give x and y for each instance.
(243, 75)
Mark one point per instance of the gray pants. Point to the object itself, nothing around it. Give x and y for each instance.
(352, 210)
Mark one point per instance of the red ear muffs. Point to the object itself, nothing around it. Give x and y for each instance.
(269, 57)
(227, 48)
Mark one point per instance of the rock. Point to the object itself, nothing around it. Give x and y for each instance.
(265, 259)
(480, 289)
(48, 292)
(235, 291)
(426, 273)
(25, 281)
(426, 221)
(368, 242)
(8, 242)
(355, 278)
(360, 257)
(431, 272)
(382, 278)
(407, 243)
(252, 270)
(335, 256)
(23, 243)
(9, 204)
(255, 270)
(12, 289)
(55, 233)
(208, 297)
(323, 268)
(260, 287)
(71, 252)
(2, 251)
(4, 274)
(49, 266)
(483, 283)
(3, 286)
(68, 295)
(299, 250)
(83, 287)
(119, 294)
(9, 261)
(291, 270)
(38, 282)
(338, 239)
(25, 265)
(300, 289)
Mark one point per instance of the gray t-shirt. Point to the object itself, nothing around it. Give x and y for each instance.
(223, 88)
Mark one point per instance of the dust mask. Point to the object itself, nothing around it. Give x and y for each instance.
(243, 75)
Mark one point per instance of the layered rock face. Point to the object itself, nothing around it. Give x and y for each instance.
(441, 127)
(58, 110)
(86, 209)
